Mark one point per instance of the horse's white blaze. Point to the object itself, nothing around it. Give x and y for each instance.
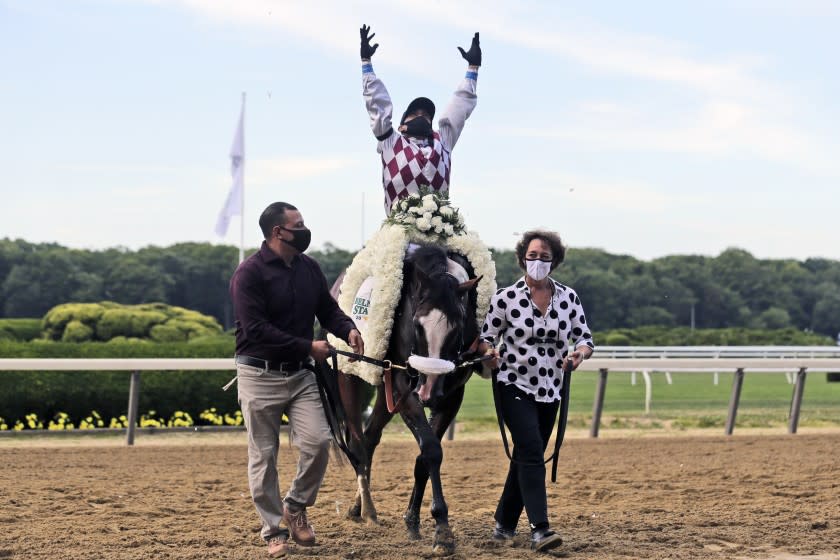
(436, 327)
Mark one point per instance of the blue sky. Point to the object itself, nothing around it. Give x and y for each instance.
(645, 128)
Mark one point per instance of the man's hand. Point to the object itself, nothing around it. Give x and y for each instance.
(366, 50)
(472, 56)
(320, 350)
(354, 339)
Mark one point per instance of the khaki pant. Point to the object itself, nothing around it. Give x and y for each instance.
(264, 397)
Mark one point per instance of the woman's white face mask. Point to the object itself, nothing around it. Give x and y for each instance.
(537, 269)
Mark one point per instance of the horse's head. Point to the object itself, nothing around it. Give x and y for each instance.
(437, 313)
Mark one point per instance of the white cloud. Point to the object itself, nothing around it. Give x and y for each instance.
(739, 113)
(718, 128)
(321, 24)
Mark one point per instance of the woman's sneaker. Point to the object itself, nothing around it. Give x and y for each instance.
(502, 534)
(545, 539)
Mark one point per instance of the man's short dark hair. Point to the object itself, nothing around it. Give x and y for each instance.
(274, 215)
(558, 250)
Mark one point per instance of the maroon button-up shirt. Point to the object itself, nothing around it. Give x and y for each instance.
(275, 306)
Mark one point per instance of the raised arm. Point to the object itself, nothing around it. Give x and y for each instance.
(377, 100)
(452, 120)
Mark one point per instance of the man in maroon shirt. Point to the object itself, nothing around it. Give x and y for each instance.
(277, 293)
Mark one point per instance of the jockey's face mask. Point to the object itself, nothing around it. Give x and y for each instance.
(418, 125)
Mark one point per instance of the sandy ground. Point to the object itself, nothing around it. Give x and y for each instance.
(701, 496)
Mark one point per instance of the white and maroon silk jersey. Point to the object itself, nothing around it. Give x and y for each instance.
(408, 165)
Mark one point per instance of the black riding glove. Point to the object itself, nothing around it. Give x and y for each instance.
(366, 50)
(472, 56)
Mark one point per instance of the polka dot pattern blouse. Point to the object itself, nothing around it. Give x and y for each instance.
(535, 345)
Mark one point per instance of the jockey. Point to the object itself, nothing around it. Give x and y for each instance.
(415, 155)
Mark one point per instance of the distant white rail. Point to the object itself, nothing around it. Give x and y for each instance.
(717, 352)
(755, 359)
(646, 359)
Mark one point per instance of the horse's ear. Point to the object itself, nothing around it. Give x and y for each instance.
(469, 284)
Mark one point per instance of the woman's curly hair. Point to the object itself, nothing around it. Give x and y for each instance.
(558, 250)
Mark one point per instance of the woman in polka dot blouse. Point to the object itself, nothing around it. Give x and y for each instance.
(541, 325)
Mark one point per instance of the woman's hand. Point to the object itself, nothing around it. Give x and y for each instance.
(486, 350)
(574, 359)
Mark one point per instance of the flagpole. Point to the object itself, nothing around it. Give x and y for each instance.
(242, 192)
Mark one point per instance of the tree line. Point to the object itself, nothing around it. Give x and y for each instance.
(733, 289)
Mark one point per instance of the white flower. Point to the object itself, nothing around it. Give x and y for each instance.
(429, 198)
(437, 222)
(448, 229)
(403, 205)
(430, 206)
(423, 224)
(460, 220)
(446, 211)
(395, 204)
(428, 216)
(416, 209)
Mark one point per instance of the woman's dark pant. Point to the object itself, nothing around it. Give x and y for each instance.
(530, 424)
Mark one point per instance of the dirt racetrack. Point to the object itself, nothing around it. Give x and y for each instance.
(745, 496)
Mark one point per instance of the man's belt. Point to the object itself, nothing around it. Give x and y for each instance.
(285, 367)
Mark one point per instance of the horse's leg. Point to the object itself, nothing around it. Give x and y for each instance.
(377, 421)
(351, 389)
(431, 454)
(442, 416)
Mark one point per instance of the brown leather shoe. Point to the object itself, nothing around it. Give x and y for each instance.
(277, 546)
(299, 527)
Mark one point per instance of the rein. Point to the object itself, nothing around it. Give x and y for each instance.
(561, 422)
(387, 366)
(384, 364)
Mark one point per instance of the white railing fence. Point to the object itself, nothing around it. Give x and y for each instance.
(648, 359)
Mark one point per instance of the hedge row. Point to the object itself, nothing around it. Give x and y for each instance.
(106, 320)
(79, 393)
(20, 329)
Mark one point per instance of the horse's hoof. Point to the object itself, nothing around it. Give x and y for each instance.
(444, 544)
(355, 513)
(412, 525)
(372, 521)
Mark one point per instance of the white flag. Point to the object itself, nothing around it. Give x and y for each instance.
(233, 204)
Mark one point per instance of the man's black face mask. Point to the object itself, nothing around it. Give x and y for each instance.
(418, 127)
(301, 240)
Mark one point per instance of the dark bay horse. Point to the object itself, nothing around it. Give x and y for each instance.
(435, 318)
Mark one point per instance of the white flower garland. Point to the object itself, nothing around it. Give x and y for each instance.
(382, 258)
(429, 213)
